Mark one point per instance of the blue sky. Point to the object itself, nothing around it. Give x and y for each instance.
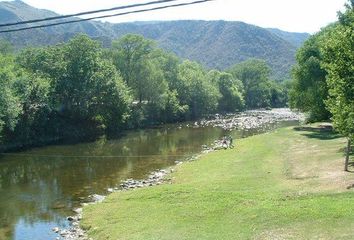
(290, 15)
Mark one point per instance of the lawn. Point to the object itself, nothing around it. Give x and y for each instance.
(287, 184)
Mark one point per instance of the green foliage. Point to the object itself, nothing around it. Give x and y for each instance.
(323, 82)
(230, 89)
(309, 88)
(195, 89)
(174, 111)
(10, 107)
(88, 83)
(279, 94)
(68, 91)
(5, 47)
(131, 56)
(34, 96)
(77, 90)
(338, 55)
(254, 75)
(148, 72)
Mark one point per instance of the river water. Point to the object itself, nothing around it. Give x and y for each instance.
(40, 187)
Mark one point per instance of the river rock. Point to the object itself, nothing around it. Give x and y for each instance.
(97, 198)
(70, 218)
(77, 210)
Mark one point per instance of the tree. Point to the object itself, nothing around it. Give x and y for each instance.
(254, 74)
(309, 88)
(279, 94)
(150, 73)
(47, 62)
(338, 55)
(130, 56)
(34, 95)
(10, 107)
(231, 89)
(90, 85)
(195, 89)
(85, 89)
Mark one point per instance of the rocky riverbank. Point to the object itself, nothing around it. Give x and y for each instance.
(251, 119)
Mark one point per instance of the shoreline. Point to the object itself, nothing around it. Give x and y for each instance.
(225, 121)
(155, 178)
(209, 194)
(247, 120)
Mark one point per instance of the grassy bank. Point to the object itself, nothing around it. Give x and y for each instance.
(287, 184)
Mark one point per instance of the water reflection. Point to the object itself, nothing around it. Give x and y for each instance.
(38, 188)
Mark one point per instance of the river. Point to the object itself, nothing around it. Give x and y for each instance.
(40, 187)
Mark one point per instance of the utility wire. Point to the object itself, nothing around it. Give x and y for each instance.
(86, 13)
(106, 16)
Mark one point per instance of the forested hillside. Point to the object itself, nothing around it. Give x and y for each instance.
(218, 44)
(215, 44)
(296, 39)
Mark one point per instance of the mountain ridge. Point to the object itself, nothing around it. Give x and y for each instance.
(215, 44)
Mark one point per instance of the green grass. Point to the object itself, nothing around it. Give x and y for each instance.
(287, 184)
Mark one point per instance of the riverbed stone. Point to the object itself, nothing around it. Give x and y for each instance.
(77, 210)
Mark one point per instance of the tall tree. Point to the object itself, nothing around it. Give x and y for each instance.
(150, 73)
(172, 110)
(10, 106)
(130, 56)
(84, 87)
(34, 95)
(90, 84)
(254, 74)
(196, 90)
(338, 62)
(309, 88)
(231, 91)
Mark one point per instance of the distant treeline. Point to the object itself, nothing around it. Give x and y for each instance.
(79, 90)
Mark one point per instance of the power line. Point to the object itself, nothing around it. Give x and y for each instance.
(85, 13)
(106, 16)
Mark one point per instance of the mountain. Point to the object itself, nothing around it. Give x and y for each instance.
(296, 39)
(218, 44)
(14, 11)
(215, 44)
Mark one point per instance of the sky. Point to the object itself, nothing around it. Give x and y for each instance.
(289, 15)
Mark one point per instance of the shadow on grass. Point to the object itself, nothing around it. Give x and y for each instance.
(323, 133)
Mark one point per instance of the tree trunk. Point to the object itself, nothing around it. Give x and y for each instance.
(347, 152)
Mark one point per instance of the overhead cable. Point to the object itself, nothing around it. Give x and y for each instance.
(85, 13)
(106, 16)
